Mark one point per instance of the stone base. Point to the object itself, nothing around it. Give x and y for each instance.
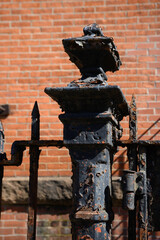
(51, 191)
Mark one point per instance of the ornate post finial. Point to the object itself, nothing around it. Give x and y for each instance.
(93, 30)
(94, 54)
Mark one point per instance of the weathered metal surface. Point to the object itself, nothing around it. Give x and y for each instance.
(90, 144)
(105, 97)
(33, 180)
(19, 146)
(4, 110)
(93, 110)
(153, 187)
(151, 179)
(132, 157)
(126, 143)
(1, 167)
(133, 120)
(88, 136)
(143, 207)
(129, 189)
(93, 54)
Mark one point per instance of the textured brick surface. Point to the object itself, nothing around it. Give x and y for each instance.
(32, 58)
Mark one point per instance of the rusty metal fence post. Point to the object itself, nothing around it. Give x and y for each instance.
(93, 111)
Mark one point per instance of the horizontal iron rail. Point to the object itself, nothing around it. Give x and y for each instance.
(126, 143)
(40, 143)
(19, 146)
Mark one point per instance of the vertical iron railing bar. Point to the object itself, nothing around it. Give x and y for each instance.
(132, 157)
(1, 167)
(33, 179)
(143, 209)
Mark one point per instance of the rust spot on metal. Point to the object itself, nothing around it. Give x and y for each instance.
(98, 229)
(90, 179)
(86, 191)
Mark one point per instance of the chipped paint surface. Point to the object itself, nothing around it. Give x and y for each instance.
(93, 110)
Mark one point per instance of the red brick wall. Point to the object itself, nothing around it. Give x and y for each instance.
(32, 58)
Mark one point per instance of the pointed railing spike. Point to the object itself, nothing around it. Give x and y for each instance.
(35, 111)
(35, 131)
(33, 179)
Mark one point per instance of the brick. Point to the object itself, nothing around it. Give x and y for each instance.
(84, 9)
(137, 1)
(19, 224)
(94, 3)
(6, 231)
(42, 11)
(3, 25)
(145, 45)
(15, 238)
(154, 25)
(19, 62)
(21, 24)
(146, 111)
(41, 23)
(51, 4)
(4, 12)
(9, 18)
(30, 5)
(21, 11)
(146, 59)
(51, 17)
(154, 12)
(9, 30)
(30, 17)
(147, 20)
(20, 231)
(60, 166)
(40, 49)
(63, 10)
(138, 26)
(9, 5)
(19, 49)
(138, 14)
(154, 91)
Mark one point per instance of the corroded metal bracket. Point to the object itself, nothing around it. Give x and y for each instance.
(133, 185)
